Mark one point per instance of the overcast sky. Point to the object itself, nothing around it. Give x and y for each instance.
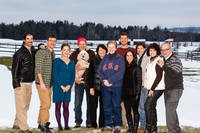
(164, 13)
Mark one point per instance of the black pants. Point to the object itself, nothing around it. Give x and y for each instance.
(131, 103)
(150, 108)
(93, 109)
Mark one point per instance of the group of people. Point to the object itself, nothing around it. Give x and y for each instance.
(124, 82)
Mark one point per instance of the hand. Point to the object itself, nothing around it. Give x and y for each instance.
(92, 91)
(67, 88)
(43, 87)
(63, 88)
(18, 88)
(137, 97)
(160, 63)
(78, 81)
(150, 93)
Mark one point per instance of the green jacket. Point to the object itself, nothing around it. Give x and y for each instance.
(44, 64)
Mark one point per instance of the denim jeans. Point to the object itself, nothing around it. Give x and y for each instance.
(79, 91)
(112, 106)
(143, 97)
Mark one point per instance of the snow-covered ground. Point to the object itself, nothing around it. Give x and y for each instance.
(188, 108)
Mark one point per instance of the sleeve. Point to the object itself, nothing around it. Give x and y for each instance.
(56, 77)
(39, 57)
(100, 70)
(15, 70)
(118, 74)
(139, 80)
(173, 67)
(159, 73)
(73, 74)
(91, 73)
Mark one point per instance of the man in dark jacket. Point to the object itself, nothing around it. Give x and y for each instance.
(79, 85)
(173, 86)
(23, 76)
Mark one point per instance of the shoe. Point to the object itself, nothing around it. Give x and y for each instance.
(60, 128)
(25, 131)
(117, 129)
(45, 128)
(107, 129)
(88, 125)
(15, 127)
(67, 128)
(77, 125)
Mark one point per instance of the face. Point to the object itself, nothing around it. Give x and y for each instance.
(51, 42)
(28, 41)
(65, 51)
(42, 46)
(111, 48)
(82, 45)
(140, 50)
(101, 52)
(129, 57)
(152, 52)
(166, 50)
(123, 40)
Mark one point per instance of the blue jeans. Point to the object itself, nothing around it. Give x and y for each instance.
(143, 97)
(79, 91)
(112, 106)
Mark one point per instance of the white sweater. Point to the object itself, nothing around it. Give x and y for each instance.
(151, 75)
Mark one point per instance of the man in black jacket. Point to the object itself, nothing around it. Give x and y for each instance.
(173, 86)
(23, 76)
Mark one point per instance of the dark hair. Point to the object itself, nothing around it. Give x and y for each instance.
(51, 36)
(140, 44)
(27, 34)
(40, 44)
(123, 34)
(101, 46)
(153, 46)
(134, 58)
(65, 44)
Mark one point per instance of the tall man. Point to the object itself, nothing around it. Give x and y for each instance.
(23, 76)
(43, 76)
(122, 50)
(173, 86)
(80, 86)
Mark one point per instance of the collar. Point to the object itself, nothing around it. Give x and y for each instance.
(168, 56)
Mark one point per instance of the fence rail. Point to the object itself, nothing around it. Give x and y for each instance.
(11, 48)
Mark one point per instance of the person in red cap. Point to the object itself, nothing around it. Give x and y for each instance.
(81, 86)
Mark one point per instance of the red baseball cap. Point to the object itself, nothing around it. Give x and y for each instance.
(81, 39)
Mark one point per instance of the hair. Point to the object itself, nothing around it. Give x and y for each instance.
(65, 44)
(112, 41)
(154, 46)
(40, 45)
(140, 44)
(101, 46)
(27, 34)
(124, 34)
(51, 36)
(134, 58)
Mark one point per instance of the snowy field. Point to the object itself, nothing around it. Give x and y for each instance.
(188, 109)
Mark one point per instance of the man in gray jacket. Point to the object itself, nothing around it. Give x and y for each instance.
(173, 86)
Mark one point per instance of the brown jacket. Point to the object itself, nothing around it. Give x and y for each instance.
(74, 55)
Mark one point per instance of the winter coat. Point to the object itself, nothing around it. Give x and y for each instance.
(23, 66)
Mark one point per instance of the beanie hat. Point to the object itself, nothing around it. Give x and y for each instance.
(81, 39)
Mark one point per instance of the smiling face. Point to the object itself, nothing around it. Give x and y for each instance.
(82, 45)
(140, 50)
(28, 42)
(101, 52)
(51, 42)
(111, 48)
(152, 52)
(123, 40)
(166, 50)
(65, 51)
(129, 57)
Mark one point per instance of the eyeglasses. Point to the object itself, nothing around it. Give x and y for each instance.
(52, 41)
(164, 50)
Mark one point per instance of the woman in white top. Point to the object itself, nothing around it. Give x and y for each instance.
(155, 85)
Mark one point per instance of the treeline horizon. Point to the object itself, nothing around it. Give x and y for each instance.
(65, 30)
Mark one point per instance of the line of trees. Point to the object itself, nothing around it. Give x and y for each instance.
(66, 30)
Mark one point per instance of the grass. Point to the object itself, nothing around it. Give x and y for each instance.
(7, 61)
(162, 129)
